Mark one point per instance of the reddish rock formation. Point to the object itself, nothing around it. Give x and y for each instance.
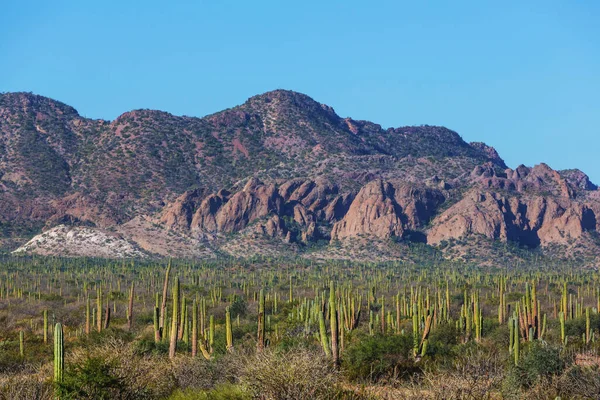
(374, 212)
(532, 220)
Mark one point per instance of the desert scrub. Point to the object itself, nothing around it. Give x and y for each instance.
(375, 358)
(114, 370)
(199, 374)
(540, 363)
(25, 387)
(292, 375)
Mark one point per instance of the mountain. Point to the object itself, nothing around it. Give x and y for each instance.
(280, 174)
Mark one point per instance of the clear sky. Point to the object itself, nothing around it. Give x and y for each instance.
(522, 76)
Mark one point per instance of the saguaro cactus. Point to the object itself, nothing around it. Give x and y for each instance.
(415, 328)
(228, 333)
(87, 316)
(22, 343)
(516, 340)
(174, 319)
(561, 318)
(156, 325)
(323, 334)
(260, 345)
(130, 308)
(163, 307)
(59, 353)
(99, 310)
(45, 326)
(194, 328)
(107, 314)
(333, 322)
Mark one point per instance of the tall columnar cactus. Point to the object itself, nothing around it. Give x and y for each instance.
(228, 333)
(260, 345)
(382, 317)
(130, 307)
(59, 353)
(516, 341)
(477, 318)
(323, 334)
(588, 335)
(561, 319)
(99, 310)
(333, 321)
(194, 328)
(501, 305)
(156, 318)
(107, 314)
(425, 336)
(45, 326)
(415, 329)
(174, 319)
(22, 343)
(87, 316)
(182, 318)
(511, 336)
(163, 306)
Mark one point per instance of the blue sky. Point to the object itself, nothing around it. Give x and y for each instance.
(522, 76)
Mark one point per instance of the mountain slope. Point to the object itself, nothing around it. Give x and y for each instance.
(280, 168)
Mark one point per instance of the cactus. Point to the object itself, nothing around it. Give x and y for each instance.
(107, 314)
(511, 335)
(182, 318)
(561, 318)
(45, 326)
(260, 345)
(211, 331)
(174, 319)
(425, 337)
(516, 341)
(333, 321)
(163, 307)
(228, 333)
(194, 328)
(87, 316)
(22, 343)
(415, 326)
(587, 326)
(323, 335)
(156, 318)
(99, 310)
(130, 307)
(59, 353)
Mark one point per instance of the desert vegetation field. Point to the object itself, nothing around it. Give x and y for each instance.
(295, 329)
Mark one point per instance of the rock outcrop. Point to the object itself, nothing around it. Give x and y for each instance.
(381, 210)
(531, 221)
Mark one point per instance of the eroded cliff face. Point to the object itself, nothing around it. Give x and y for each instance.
(384, 210)
(531, 206)
(380, 209)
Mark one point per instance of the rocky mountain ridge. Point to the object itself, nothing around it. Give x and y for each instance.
(281, 175)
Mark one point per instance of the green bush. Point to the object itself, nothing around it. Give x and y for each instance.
(297, 374)
(91, 379)
(372, 358)
(540, 361)
(442, 341)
